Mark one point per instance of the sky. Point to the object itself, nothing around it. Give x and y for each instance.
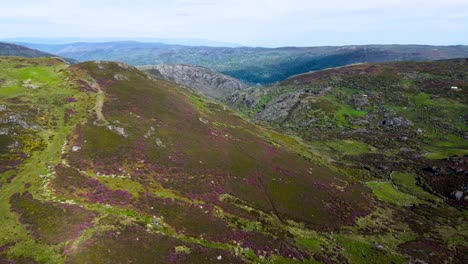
(268, 23)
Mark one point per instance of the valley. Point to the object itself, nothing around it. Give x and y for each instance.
(102, 162)
(250, 64)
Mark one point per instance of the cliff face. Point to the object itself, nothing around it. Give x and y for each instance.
(210, 83)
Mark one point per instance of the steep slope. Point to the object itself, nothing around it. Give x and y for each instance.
(208, 82)
(252, 65)
(382, 117)
(7, 49)
(117, 167)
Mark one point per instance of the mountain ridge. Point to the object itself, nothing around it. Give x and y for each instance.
(204, 80)
(250, 64)
(8, 49)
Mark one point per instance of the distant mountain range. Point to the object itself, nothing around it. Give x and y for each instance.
(8, 49)
(184, 41)
(252, 65)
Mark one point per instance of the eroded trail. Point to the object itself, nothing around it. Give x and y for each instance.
(100, 97)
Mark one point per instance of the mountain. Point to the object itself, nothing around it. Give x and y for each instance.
(252, 65)
(405, 116)
(102, 163)
(176, 41)
(7, 49)
(208, 82)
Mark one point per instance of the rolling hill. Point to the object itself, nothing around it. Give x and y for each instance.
(8, 49)
(404, 116)
(101, 163)
(252, 65)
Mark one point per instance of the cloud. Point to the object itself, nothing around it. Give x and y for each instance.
(254, 22)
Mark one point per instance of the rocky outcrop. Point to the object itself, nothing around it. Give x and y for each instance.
(279, 108)
(210, 83)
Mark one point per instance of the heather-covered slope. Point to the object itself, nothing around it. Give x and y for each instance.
(112, 166)
(252, 65)
(407, 116)
(208, 82)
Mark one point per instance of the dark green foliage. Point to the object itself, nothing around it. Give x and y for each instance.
(254, 65)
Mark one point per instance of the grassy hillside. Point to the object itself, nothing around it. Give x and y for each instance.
(404, 116)
(254, 65)
(102, 164)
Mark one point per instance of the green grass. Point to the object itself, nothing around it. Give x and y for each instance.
(282, 260)
(353, 241)
(384, 230)
(349, 147)
(386, 192)
(200, 102)
(39, 252)
(129, 185)
(44, 76)
(12, 229)
(340, 110)
(407, 182)
(443, 154)
(361, 251)
(311, 244)
(43, 147)
(348, 111)
(441, 120)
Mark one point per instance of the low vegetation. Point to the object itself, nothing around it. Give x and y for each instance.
(172, 177)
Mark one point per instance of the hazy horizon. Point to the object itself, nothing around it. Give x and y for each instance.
(185, 42)
(242, 23)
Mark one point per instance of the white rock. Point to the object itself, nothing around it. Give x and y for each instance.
(76, 148)
(458, 195)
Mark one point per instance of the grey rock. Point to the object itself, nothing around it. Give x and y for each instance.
(120, 77)
(359, 122)
(279, 108)
(5, 131)
(458, 195)
(378, 246)
(18, 120)
(404, 149)
(29, 85)
(396, 122)
(208, 82)
(15, 145)
(360, 100)
(159, 143)
(76, 148)
(119, 130)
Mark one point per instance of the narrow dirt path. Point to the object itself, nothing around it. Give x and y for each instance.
(100, 119)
